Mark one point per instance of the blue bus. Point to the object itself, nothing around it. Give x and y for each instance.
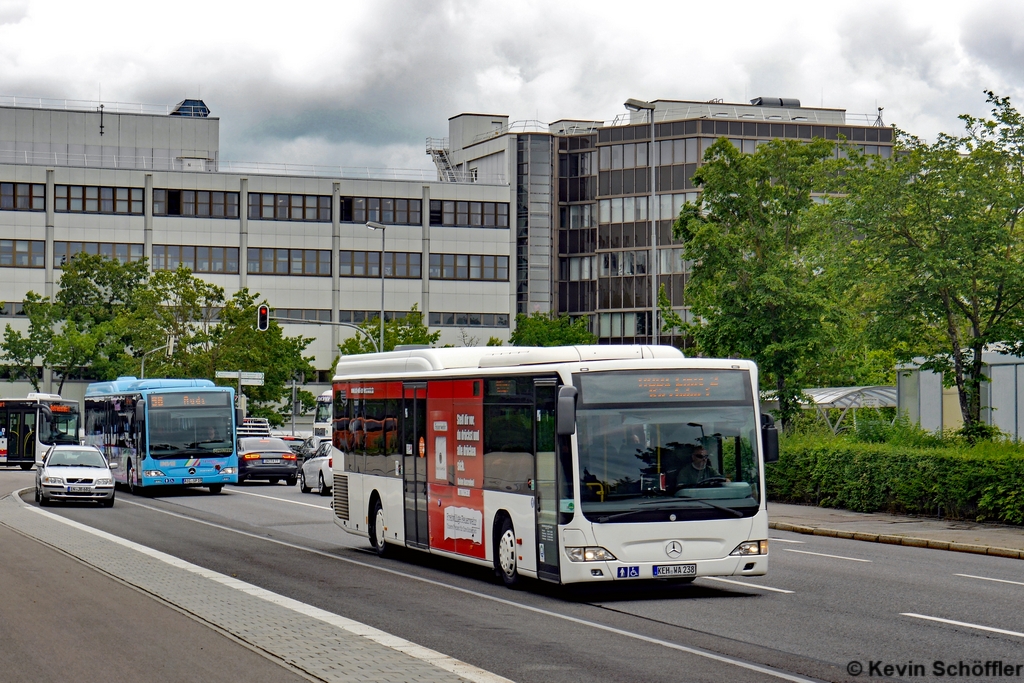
(164, 432)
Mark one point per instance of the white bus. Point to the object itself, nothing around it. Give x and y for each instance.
(324, 414)
(29, 425)
(565, 464)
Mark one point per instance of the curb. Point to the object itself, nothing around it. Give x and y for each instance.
(895, 539)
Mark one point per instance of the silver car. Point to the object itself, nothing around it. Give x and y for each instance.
(318, 471)
(74, 473)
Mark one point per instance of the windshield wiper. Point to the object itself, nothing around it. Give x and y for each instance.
(620, 515)
(732, 511)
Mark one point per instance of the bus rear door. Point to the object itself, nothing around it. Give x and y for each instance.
(414, 471)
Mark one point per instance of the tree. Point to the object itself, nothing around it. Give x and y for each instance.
(542, 329)
(397, 332)
(760, 285)
(942, 245)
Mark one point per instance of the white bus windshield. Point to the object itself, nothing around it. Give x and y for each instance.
(681, 441)
(323, 411)
(190, 425)
(61, 426)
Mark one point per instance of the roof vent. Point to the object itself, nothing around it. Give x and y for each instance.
(787, 102)
(191, 108)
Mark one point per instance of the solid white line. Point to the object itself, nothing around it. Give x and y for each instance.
(747, 585)
(985, 578)
(838, 557)
(280, 500)
(964, 623)
(427, 655)
(784, 540)
(664, 643)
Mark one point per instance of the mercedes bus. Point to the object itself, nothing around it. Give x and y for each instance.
(565, 464)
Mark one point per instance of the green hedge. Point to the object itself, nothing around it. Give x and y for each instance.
(984, 483)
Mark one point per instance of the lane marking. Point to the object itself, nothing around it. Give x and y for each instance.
(964, 623)
(438, 659)
(280, 500)
(985, 578)
(536, 610)
(746, 585)
(784, 540)
(838, 557)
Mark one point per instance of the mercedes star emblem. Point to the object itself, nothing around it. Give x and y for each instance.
(674, 549)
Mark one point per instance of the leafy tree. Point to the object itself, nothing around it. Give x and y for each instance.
(407, 330)
(761, 286)
(942, 245)
(542, 329)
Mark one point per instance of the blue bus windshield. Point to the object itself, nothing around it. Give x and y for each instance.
(190, 430)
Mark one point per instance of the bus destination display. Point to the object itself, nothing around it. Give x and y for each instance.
(682, 385)
(191, 400)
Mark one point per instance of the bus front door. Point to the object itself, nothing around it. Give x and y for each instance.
(414, 471)
(20, 431)
(546, 478)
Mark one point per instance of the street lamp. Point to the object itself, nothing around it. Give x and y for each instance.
(170, 349)
(652, 267)
(372, 225)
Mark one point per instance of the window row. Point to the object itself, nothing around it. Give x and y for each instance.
(289, 207)
(468, 267)
(793, 130)
(196, 259)
(267, 261)
(468, 319)
(623, 324)
(22, 197)
(631, 155)
(619, 263)
(382, 210)
(576, 165)
(468, 214)
(629, 209)
(199, 203)
(125, 253)
(363, 316)
(91, 199)
(307, 314)
(397, 264)
(23, 253)
(578, 217)
(578, 268)
(12, 308)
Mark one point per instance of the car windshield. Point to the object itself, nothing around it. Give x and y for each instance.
(253, 445)
(681, 441)
(76, 458)
(193, 425)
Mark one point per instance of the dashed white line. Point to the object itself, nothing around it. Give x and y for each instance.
(838, 557)
(979, 627)
(784, 540)
(746, 585)
(985, 578)
(280, 500)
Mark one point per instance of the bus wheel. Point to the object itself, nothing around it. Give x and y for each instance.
(505, 563)
(377, 529)
(26, 465)
(216, 488)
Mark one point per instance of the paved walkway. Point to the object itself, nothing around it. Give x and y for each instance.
(312, 642)
(921, 532)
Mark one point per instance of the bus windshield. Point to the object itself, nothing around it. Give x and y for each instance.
(190, 425)
(61, 426)
(677, 442)
(323, 411)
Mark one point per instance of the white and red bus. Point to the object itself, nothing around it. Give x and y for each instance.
(29, 425)
(566, 464)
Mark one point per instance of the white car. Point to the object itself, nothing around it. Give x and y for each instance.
(74, 473)
(317, 470)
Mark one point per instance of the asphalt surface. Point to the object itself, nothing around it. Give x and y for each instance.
(827, 604)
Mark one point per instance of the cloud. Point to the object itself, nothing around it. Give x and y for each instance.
(994, 34)
(13, 11)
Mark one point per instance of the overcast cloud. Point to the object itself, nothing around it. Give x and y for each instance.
(364, 83)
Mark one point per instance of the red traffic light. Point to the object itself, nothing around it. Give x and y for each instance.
(263, 317)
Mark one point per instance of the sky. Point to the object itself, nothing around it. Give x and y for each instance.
(347, 83)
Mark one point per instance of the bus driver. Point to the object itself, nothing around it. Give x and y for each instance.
(698, 470)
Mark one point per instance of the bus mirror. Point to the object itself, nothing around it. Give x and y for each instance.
(140, 412)
(566, 424)
(769, 439)
(45, 411)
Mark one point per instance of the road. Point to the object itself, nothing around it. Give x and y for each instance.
(825, 603)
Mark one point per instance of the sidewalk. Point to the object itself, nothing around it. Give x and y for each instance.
(920, 532)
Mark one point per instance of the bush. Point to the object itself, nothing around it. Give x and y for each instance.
(984, 482)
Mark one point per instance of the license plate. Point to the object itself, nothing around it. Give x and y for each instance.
(675, 570)
(196, 480)
(79, 489)
(272, 461)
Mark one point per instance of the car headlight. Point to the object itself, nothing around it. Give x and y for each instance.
(153, 473)
(228, 470)
(751, 548)
(53, 480)
(104, 482)
(589, 553)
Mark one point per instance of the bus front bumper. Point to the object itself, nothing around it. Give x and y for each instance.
(670, 570)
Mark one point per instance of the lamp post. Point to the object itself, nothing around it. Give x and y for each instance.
(372, 225)
(170, 349)
(652, 267)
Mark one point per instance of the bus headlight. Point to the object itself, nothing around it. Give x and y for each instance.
(153, 473)
(589, 554)
(751, 548)
(228, 470)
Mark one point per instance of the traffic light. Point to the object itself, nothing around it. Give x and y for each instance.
(263, 317)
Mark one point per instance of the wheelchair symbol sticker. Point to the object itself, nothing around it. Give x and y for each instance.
(627, 573)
